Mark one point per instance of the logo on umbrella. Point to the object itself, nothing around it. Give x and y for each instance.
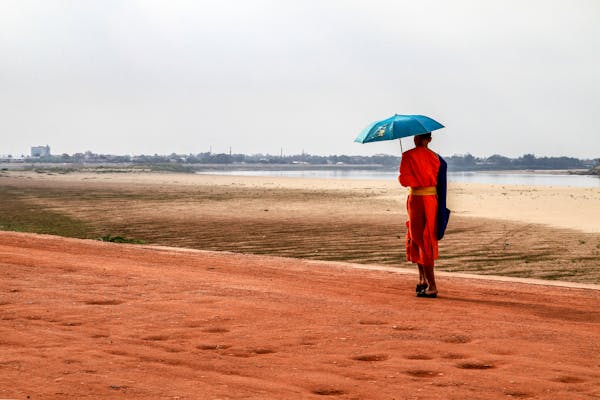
(381, 131)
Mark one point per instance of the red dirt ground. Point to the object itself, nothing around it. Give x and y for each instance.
(86, 319)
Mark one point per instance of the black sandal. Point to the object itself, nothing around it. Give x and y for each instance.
(423, 293)
(421, 288)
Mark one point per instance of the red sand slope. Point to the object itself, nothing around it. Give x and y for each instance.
(85, 319)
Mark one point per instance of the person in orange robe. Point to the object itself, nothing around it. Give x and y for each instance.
(419, 169)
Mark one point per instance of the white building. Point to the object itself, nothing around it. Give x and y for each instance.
(40, 151)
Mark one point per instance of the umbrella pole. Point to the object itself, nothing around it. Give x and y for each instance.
(401, 149)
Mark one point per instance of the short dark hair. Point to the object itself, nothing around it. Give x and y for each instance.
(425, 135)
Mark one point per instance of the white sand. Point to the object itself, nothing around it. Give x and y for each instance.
(573, 208)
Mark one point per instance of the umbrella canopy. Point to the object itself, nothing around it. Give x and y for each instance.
(396, 127)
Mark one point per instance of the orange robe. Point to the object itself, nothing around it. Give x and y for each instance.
(419, 168)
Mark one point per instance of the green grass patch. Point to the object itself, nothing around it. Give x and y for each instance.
(19, 215)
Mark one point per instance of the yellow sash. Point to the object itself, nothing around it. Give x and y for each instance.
(423, 191)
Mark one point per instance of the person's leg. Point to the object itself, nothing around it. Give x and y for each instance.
(415, 227)
(430, 246)
(430, 277)
(422, 278)
(417, 221)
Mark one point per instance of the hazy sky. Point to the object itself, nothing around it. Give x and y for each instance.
(148, 76)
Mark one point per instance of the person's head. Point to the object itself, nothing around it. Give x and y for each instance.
(423, 140)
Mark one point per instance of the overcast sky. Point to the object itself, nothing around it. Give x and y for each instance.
(260, 76)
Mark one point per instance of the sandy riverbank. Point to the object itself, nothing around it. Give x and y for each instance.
(564, 207)
(536, 232)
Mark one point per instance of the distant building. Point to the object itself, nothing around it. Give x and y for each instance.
(40, 151)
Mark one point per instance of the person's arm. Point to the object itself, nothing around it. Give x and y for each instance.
(407, 177)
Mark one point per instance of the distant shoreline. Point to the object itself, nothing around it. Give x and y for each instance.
(193, 168)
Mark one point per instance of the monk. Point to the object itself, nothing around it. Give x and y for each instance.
(420, 171)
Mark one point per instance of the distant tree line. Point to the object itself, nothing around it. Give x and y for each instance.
(527, 161)
(465, 162)
(383, 160)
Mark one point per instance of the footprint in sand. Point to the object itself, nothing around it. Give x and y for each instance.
(215, 329)
(328, 392)
(103, 302)
(454, 356)
(457, 339)
(173, 349)
(156, 338)
(371, 357)
(263, 350)
(372, 322)
(212, 346)
(118, 353)
(474, 365)
(418, 357)
(308, 341)
(568, 379)
(252, 352)
(421, 373)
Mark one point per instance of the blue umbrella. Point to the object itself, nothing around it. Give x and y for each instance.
(397, 127)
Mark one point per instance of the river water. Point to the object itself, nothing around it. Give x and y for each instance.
(501, 178)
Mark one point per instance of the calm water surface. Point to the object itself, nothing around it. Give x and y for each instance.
(502, 178)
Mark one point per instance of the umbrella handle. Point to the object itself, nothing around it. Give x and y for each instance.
(401, 149)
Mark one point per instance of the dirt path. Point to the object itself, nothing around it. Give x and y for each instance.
(86, 319)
